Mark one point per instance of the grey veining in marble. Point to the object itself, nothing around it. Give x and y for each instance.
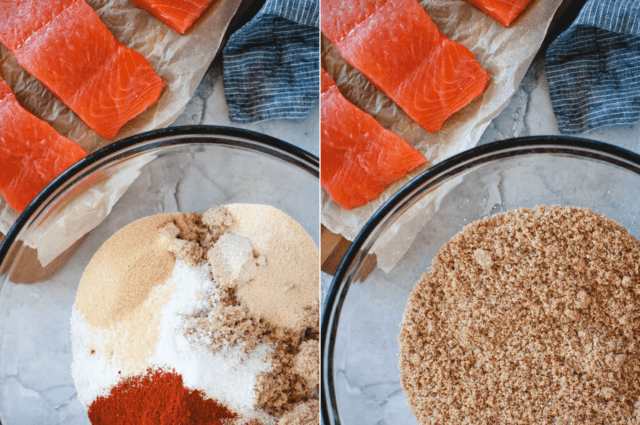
(530, 114)
(208, 106)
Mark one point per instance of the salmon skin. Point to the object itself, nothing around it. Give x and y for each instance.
(359, 156)
(399, 49)
(178, 14)
(32, 153)
(503, 11)
(66, 46)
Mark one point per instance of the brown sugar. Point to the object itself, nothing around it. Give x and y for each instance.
(303, 414)
(290, 381)
(307, 362)
(532, 316)
(189, 236)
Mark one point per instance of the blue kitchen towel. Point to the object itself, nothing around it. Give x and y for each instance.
(272, 64)
(593, 67)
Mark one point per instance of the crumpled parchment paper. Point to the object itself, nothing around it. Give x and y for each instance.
(181, 61)
(506, 53)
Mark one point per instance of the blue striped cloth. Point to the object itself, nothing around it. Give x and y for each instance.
(593, 67)
(272, 64)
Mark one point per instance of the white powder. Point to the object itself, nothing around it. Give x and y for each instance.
(232, 260)
(229, 376)
(93, 375)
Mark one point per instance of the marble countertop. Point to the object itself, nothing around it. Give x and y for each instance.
(209, 107)
(530, 114)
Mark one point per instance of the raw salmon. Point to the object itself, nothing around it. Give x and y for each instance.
(65, 45)
(401, 51)
(359, 156)
(503, 11)
(32, 153)
(178, 14)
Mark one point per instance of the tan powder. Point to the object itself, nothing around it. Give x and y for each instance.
(548, 332)
(288, 283)
(131, 343)
(124, 271)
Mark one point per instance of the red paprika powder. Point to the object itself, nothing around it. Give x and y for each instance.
(156, 398)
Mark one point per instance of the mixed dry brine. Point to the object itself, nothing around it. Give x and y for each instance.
(222, 307)
(531, 316)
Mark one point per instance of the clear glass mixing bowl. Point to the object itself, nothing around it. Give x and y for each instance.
(180, 169)
(362, 313)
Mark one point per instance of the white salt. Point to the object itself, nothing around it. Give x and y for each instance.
(93, 375)
(228, 376)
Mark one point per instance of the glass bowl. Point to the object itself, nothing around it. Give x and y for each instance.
(363, 311)
(178, 169)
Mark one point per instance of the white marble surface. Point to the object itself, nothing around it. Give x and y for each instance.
(530, 114)
(209, 106)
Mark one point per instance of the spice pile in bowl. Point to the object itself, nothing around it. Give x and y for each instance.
(200, 319)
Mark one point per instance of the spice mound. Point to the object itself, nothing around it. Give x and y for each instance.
(200, 319)
(531, 316)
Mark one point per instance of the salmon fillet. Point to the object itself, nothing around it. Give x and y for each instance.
(178, 14)
(359, 156)
(399, 49)
(503, 11)
(32, 153)
(66, 46)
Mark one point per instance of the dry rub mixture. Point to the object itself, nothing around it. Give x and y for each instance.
(527, 317)
(286, 390)
(227, 300)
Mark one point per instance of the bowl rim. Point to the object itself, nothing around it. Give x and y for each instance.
(254, 141)
(426, 180)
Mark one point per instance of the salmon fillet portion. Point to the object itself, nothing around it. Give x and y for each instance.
(66, 47)
(503, 11)
(178, 14)
(359, 156)
(399, 49)
(32, 153)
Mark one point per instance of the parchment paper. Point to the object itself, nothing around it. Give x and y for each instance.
(506, 53)
(181, 61)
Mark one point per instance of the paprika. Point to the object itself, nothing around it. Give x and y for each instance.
(157, 397)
